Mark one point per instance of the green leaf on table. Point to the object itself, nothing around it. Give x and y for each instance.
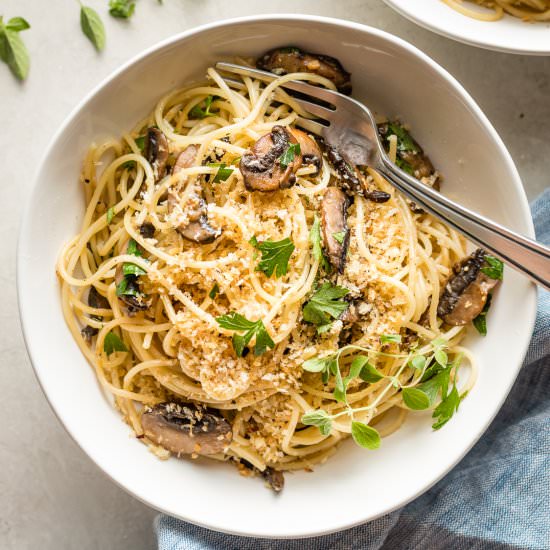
(92, 27)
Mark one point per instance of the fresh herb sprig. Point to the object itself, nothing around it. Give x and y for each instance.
(494, 269)
(13, 51)
(240, 324)
(275, 255)
(113, 343)
(432, 379)
(480, 322)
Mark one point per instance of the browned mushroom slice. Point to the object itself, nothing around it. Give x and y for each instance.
(310, 151)
(131, 297)
(333, 223)
(466, 291)
(262, 168)
(294, 60)
(147, 230)
(196, 228)
(97, 301)
(186, 428)
(350, 179)
(274, 478)
(156, 151)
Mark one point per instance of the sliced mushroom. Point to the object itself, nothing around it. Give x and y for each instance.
(156, 151)
(134, 299)
(197, 228)
(97, 301)
(412, 160)
(275, 479)
(466, 291)
(147, 230)
(294, 60)
(333, 221)
(187, 428)
(262, 169)
(310, 151)
(350, 179)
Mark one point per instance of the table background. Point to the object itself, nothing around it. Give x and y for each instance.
(51, 495)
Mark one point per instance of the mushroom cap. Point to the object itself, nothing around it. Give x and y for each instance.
(261, 168)
(294, 60)
(466, 291)
(187, 428)
(197, 229)
(309, 149)
(156, 151)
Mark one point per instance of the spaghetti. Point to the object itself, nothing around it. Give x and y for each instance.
(528, 10)
(151, 301)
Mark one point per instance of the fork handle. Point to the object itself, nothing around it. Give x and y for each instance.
(523, 254)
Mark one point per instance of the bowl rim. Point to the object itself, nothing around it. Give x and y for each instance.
(485, 42)
(523, 211)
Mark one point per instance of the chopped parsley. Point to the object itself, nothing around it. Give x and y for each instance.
(110, 215)
(140, 142)
(128, 285)
(325, 304)
(223, 171)
(202, 112)
(292, 151)
(122, 9)
(480, 322)
(275, 255)
(390, 339)
(404, 140)
(316, 248)
(113, 343)
(495, 268)
(339, 237)
(214, 291)
(238, 323)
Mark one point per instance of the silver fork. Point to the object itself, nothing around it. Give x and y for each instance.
(350, 127)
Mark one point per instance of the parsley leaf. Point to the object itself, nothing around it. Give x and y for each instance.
(365, 436)
(495, 268)
(325, 304)
(288, 156)
(12, 49)
(315, 240)
(110, 215)
(418, 362)
(127, 287)
(113, 343)
(404, 140)
(405, 166)
(390, 338)
(319, 364)
(214, 292)
(198, 112)
(445, 410)
(133, 248)
(237, 322)
(319, 418)
(92, 27)
(480, 322)
(132, 269)
(339, 237)
(275, 255)
(415, 399)
(140, 142)
(122, 9)
(223, 172)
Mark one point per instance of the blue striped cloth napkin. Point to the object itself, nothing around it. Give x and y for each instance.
(498, 497)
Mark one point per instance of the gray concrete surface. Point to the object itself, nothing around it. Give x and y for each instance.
(51, 495)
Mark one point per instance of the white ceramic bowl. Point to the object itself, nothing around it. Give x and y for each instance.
(355, 485)
(509, 34)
